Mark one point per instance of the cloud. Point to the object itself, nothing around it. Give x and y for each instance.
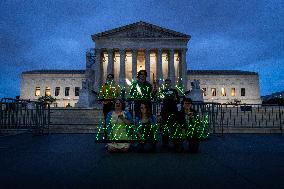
(52, 52)
(221, 52)
(225, 34)
(270, 74)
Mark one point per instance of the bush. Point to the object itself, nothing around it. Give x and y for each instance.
(278, 101)
(47, 99)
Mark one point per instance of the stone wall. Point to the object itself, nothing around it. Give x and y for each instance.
(222, 119)
(73, 120)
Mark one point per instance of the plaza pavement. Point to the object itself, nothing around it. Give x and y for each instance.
(252, 161)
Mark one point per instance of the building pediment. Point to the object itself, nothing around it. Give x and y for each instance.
(140, 30)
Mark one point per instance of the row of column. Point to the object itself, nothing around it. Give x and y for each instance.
(171, 69)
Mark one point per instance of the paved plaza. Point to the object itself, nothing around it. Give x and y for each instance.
(76, 161)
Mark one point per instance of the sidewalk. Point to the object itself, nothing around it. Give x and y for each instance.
(76, 161)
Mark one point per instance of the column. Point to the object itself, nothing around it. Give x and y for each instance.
(171, 66)
(110, 62)
(98, 80)
(122, 67)
(184, 68)
(179, 65)
(159, 66)
(134, 63)
(147, 63)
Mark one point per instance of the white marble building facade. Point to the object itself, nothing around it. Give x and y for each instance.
(227, 86)
(64, 85)
(123, 52)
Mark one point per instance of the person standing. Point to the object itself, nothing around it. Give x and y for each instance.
(169, 112)
(141, 90)
(108, 93)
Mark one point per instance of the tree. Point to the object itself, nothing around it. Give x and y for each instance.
(278, 101)
(46, 99)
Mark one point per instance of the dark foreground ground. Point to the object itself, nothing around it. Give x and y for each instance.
(76, 161)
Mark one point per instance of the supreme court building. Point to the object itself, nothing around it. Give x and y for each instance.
(124, 51)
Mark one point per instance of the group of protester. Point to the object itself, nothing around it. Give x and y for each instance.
(139, 130)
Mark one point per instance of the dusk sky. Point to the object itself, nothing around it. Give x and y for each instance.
(226, 35)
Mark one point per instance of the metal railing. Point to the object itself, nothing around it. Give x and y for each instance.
(246, 117)
(239, 117)
(207, 113)
(20, 115)
(23, 116)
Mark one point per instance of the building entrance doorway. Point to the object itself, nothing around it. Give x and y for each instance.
(140, 61)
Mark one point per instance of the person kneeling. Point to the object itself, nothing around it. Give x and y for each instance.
(146, 129)
(119, 126)
(189, 119)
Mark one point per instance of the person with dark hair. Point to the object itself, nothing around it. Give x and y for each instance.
(119, 127)
(108, 93)
(169, 111)
(189, 120)
(146, 128)
(141, 90)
